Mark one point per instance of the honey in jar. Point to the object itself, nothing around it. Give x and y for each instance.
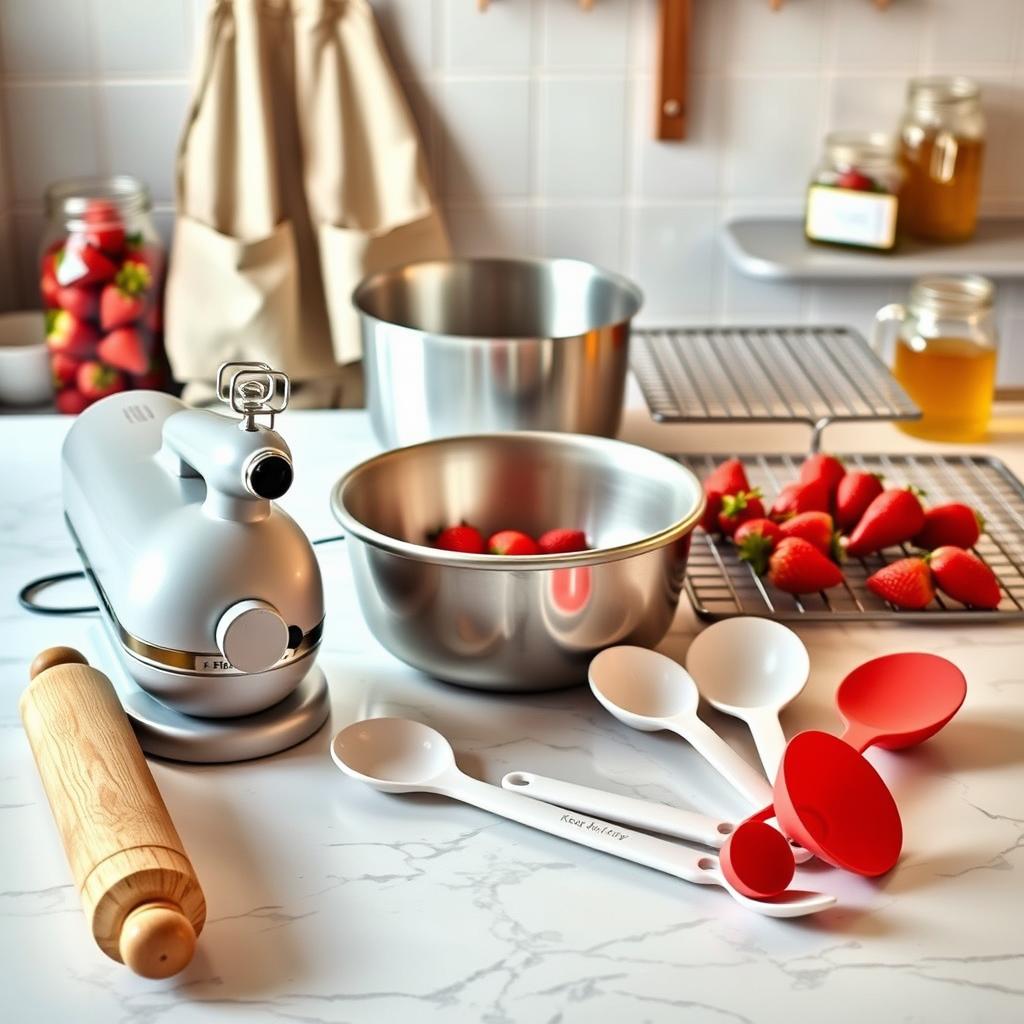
(945, 355)
(942, 147)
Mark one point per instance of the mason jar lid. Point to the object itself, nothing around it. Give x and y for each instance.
(71, 198)
(860, 149)
(956, 295)
(942, 90)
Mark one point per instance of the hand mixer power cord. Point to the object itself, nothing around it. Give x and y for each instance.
(27, 594)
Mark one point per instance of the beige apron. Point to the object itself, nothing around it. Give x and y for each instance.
(299, 172)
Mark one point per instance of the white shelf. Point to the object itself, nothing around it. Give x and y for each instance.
(776, 249)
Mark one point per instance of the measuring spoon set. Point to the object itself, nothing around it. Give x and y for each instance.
(828, 801)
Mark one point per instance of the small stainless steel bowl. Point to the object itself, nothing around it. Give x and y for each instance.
(469, 346)
(517, 623)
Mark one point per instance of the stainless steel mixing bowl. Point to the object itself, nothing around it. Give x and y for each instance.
(522, 623)
(477, 345)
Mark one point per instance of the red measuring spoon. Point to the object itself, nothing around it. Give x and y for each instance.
(899, 700)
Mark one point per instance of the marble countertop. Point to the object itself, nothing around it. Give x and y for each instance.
(330, 902)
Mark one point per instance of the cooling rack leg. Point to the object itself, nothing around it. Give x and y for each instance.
(816, 432)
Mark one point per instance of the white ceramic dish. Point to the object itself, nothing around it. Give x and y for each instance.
(25, 376)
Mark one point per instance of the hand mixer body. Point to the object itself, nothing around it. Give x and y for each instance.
(212, 594)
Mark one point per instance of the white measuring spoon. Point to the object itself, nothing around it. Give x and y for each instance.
(751, 668)
(645, 690)
(397, 755)
(629, 810)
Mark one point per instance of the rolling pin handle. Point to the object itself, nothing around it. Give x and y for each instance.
(55, 656)
(157, 940)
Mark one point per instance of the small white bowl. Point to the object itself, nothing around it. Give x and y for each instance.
(25, 375)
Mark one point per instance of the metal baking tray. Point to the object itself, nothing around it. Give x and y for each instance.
(719, 585)
(812, 375)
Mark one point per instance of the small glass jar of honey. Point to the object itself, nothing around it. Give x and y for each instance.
(942, 144)
(945, 354)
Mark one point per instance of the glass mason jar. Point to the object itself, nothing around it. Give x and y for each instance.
(852, 197)
(942, 144)
(945, 354)
(101, 277)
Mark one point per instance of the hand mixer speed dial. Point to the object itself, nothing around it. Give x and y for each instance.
(252, 636)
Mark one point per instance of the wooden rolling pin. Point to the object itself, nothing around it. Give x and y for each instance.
(138, 888)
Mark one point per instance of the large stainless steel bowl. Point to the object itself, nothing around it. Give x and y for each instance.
(525, 623)
(478, 345)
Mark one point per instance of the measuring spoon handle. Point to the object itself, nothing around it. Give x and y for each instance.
(750, 782)
(657, 817)
(769, 739)
(582, 829)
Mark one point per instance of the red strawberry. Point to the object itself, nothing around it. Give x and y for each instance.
(955, 524)
(798, 567)
(125, 349)
(66, 333)
(906, 583)
(124, 300)
(727, 478)
(96, 381)
(79, 301)
(512, 542)
(64, 367)
(71, 402)
(826, 468)
(104, 227)
(853, 495)
(712, 506)
(562, 541)
(754, 542)
(461, 538)
(855, 180)
(892, 518)
(798, 497)
(81, 263)
(964, 577)
(738, 508)
(814, 527)
(48, 286)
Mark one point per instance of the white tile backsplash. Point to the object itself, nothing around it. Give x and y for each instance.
(581, 150)
(537, 119)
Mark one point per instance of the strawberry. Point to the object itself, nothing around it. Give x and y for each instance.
(727, 478)
(78, 300)
(906, 583)
(562, 541)
(512, 542)
(64, 368)
(892, 518)
(71, 402)
(124, 300)
(853, 495)
(755, 540)
(125, 349)
(954, 524)
(798, 567)
(816, 528)
(855, 180)
(964, 577)
(96, 381)
(798, 497)
(81, 263)
(48, 286)
(104, 228)
(826, 468)
(66, 333)
(461, 538)
(738, 508)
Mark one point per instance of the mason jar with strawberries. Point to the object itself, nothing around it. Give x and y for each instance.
(101, 277)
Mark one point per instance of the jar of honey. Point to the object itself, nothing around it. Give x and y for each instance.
(945, 354)
(942, 143)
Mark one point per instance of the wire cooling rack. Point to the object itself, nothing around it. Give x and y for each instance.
(719, 585)
(813, 375)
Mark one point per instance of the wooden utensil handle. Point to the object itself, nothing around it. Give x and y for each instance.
(673, 50)
(138, 889)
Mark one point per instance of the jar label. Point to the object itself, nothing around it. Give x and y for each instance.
(852, 217)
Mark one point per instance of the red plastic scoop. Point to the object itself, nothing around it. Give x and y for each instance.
(757, 860)
(899, 700)
(831, 801)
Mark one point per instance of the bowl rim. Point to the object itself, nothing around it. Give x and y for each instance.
(368, 283)
(355, 528)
